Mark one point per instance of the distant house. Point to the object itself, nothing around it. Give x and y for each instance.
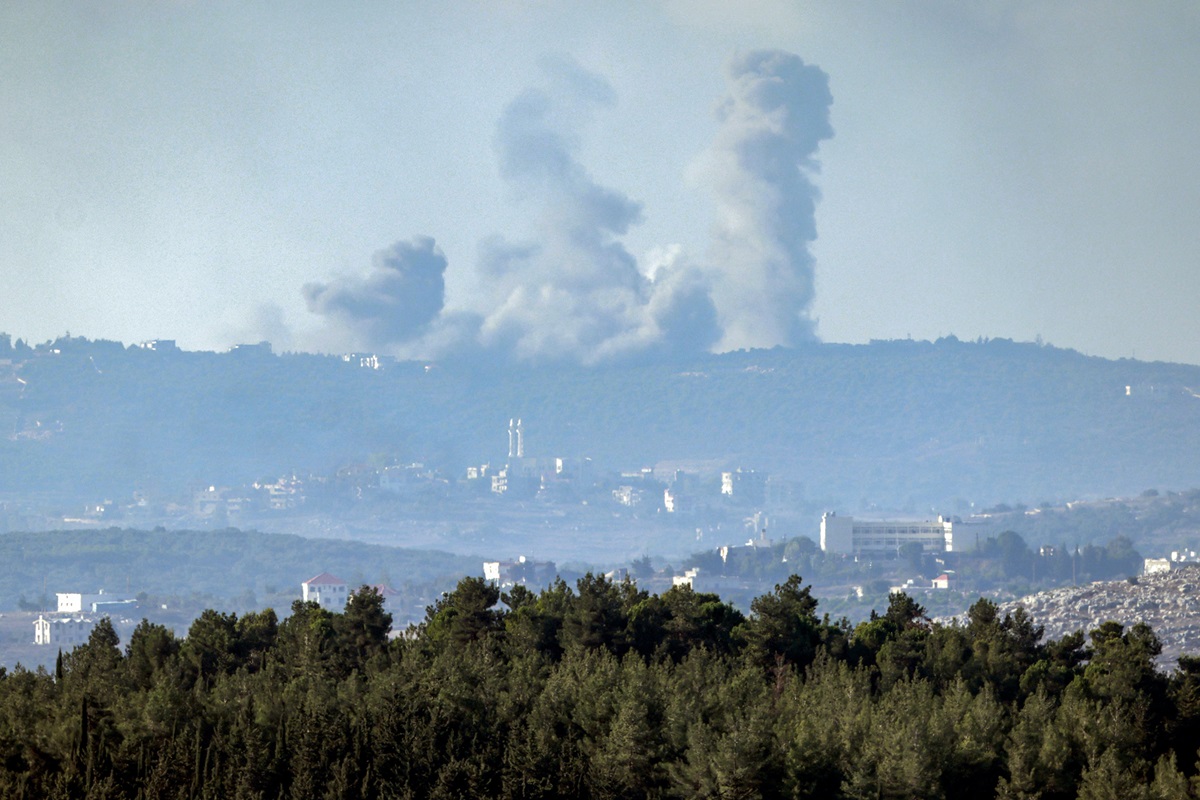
(160, 345)
(1153, 566)
(405, 479)
(327, 591)
(744, 485)
(260, 349)
(73, 602)
(687, 579)
(524, 571)
(283, 494)
(81, 603)
(369, 360)
(221, 500)
(62, 631)
(627, 495)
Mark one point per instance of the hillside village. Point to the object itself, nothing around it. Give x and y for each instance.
(95, 429)
(725, 474)
(852, 578)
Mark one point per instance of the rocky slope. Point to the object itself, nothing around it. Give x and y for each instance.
(1169, 602)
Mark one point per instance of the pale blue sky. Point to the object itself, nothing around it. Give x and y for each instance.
(183, 169)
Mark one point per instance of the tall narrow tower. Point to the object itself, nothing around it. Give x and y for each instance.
(520, 440)
(512, 433)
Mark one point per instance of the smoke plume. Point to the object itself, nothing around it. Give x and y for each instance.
(773, 119)
(576, 292)
(572, 291)
(395, 303)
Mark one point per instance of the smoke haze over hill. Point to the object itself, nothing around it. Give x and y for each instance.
(182, 170)
(574, 291)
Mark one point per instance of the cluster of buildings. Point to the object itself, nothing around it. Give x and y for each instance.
(76, 615)
(525, 476)
(679, 489)
(281, 495)
(668, 488)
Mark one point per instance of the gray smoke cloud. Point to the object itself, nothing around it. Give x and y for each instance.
(573, 291)
(576, 292)
(395, 303)
(771, 123)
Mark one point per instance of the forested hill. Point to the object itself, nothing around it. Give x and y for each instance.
(227, 568)
(603, 691)
(895, 422)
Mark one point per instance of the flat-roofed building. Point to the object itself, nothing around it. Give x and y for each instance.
(524, 571)
(84, 603)
(62, 631)
(852, 536)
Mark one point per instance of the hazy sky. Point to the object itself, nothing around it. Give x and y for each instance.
(224, 172)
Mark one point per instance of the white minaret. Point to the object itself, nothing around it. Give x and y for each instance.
(511, 438)
(520, 440)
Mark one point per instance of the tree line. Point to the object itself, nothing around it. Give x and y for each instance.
(603, 690)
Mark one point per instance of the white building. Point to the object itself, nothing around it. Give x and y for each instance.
(62, 631)
(81, 603)
(627, 495)
(1153, 566)
(687, 579)
(327, 591)
(369, 360)
(744, 485)
(943, 581)
(852, 536)
(524, 571)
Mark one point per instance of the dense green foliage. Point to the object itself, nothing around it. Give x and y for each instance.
(603, 691)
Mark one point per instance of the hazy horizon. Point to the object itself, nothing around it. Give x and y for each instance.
(590, 181)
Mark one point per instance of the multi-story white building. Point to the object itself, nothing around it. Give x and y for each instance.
(62, 631)
(327, 591)
(852, 536)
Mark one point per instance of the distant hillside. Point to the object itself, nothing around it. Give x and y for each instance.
(1167, 602)
(899, 424)
(1158, 522)
(229, 567)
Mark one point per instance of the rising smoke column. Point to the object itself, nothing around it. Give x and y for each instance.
(577, 293)
(395, 303)
(573, 292)
(771, 122)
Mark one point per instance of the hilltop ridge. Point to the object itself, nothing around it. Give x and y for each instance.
(900, 424)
